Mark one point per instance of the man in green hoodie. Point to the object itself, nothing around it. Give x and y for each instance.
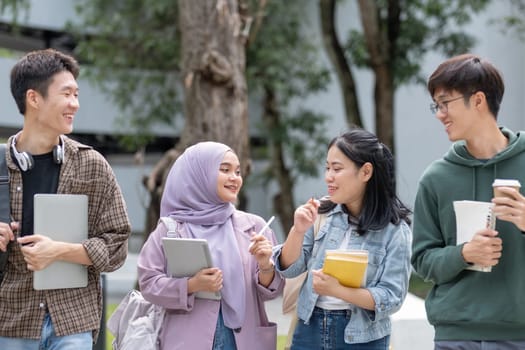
(472, 309)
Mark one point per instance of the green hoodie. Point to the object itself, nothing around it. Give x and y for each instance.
(465, 304)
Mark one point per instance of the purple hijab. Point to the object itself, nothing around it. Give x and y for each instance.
(190, 196)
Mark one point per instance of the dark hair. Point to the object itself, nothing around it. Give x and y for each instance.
(381, 205)
(36, 71)
(468, 74)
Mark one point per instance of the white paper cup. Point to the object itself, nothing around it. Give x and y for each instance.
(504, 183)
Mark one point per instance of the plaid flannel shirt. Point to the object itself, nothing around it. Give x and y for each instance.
(74, 310)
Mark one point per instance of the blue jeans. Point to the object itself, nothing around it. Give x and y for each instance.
(224, 338)
(326, 331)
(49, 340)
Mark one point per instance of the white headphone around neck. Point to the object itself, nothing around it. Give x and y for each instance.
(25, 160)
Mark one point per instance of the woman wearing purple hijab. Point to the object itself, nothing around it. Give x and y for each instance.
(199, 194)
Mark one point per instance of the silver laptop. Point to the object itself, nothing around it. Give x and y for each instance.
(186, 256)
(61, 217)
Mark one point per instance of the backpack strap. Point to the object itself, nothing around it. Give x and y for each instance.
(5, 213)
(5, 204)
(171, 225)
(319, 222)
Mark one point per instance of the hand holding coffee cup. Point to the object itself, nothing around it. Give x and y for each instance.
(498, 183)
(509, 206)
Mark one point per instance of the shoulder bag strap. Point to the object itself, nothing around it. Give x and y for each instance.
(5, 212)
(171, 225)
(319, 222)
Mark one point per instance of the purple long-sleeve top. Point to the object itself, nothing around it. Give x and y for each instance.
(190, 322)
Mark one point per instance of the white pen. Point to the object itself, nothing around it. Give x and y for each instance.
(268, 223)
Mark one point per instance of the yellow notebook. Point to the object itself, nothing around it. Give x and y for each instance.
(347, 265)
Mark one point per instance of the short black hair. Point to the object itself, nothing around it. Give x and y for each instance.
(468, 74)
(36, 70)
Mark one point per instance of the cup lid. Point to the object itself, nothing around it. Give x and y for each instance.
(506, 182)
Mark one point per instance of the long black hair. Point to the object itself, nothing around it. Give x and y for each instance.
(381, 204)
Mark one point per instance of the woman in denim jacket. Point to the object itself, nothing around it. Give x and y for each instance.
(362, 212)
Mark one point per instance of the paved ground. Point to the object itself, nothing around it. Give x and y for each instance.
(410, 328)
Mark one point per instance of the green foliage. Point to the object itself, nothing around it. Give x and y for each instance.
(418, 286)
(425, 26)
(138, 34)
(109, 336)
(15, 7)
(283, 56)
(143, 35)
(283, 60)
(133, 51)
(514, 23)
(6, 53)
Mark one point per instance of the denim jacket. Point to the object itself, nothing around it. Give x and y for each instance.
(387, 275)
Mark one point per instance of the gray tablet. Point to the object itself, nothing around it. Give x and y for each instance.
(61, 217)
(186, 256)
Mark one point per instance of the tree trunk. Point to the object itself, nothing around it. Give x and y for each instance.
(379, 44)
(215, 92)
(213, 69)
(283, 202)
(384, 102)
(337, 57)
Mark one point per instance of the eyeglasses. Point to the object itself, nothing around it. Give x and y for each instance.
(443, 105)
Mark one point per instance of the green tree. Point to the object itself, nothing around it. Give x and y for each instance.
(159, 59)
(514, 22)
(394, 37)
(283, 67)
(162, 59)
(15, 7)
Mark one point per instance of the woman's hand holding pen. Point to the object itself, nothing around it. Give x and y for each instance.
(305, 216)
(261, 249)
